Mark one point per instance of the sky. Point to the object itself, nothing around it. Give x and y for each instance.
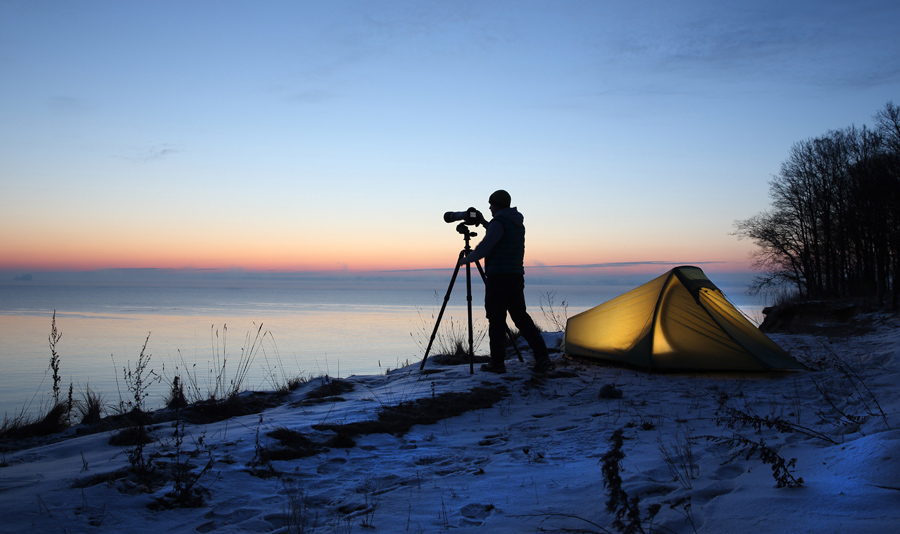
(329, 136)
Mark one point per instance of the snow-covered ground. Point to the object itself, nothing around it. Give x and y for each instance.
(533, 461)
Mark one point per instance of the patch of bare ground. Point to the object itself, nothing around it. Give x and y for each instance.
(396, 420)
(52, 428)
(330, 390)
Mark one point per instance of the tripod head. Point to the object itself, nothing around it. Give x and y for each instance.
(464, 230)
(467, 235)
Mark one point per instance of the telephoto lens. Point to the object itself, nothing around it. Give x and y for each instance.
(470, 216)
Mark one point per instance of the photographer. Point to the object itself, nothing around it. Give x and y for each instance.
(503, 248)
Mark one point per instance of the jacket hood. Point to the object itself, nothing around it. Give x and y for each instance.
(511, 214)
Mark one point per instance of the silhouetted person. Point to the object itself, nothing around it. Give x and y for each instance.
(503, 248)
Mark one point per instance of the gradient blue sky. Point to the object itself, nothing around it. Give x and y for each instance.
(333, 135)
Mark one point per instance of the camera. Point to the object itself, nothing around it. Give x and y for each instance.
(470, 216)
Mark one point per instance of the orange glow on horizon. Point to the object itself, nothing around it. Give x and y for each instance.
(279, 253)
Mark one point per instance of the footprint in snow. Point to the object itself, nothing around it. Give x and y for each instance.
(473, 515)
(333, 465)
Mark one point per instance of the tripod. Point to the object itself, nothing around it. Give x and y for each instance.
(467, 235)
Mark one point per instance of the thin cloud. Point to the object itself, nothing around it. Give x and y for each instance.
(154, 153)
(540, 265)
(313, 96)
(821, 44)
(634, 264)
(162, 152)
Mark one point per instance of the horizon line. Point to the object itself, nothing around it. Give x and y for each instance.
(624, 264)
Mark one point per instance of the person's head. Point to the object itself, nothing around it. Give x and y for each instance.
(499, 200)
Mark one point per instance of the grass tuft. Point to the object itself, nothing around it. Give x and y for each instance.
(90, 406)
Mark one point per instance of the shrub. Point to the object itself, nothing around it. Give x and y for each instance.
(138, 380)
(556, 315)
(55, 336)
(624, 506)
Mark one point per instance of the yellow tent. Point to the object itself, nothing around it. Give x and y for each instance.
(679, 320)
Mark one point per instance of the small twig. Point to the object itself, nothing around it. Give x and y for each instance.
(735, 418)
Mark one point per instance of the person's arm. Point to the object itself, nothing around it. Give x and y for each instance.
(491, 238)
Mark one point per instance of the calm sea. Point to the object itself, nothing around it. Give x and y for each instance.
(339, 328)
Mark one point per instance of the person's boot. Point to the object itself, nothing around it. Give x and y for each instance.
(542, 366)
(491, 368)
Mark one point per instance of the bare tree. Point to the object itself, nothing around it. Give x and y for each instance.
(834, 226)
(887, 123)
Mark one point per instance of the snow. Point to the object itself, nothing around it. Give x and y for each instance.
(531, 462)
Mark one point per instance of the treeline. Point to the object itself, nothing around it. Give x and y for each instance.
(833, 230)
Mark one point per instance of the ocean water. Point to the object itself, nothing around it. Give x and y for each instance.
(283, 330)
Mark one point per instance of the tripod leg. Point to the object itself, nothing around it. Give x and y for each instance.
(441, 314)
(469, 303)
(508, 331)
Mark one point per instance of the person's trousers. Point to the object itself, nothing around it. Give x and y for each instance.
(505, 293)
